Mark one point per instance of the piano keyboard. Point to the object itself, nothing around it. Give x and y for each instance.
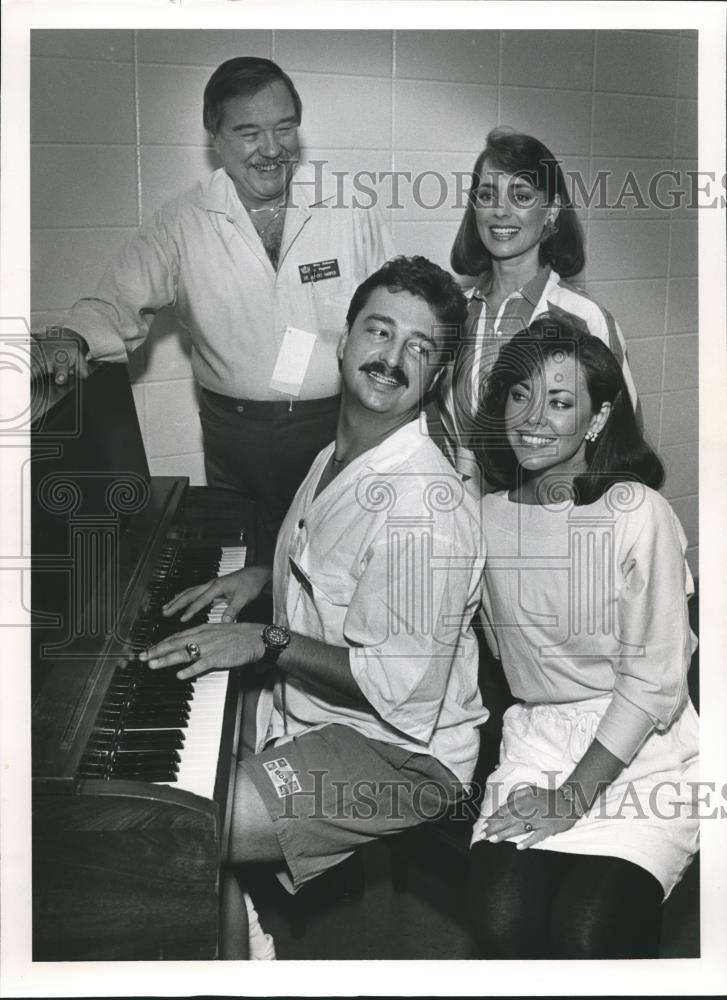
(151, 726)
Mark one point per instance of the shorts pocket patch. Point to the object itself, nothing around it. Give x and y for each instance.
(284, 779)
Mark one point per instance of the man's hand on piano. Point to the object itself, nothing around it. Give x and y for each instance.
(59, 353)
(221, 647)
(239, 589)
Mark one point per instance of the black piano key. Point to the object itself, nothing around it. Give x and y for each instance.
(146, 773)
(165, 720)
(166, 737)
(149, 727)
(140, 729)
(143, 757)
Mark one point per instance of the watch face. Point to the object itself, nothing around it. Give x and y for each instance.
(275, 636)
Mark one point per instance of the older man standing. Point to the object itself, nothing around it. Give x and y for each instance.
(259, 261)
(371, 727)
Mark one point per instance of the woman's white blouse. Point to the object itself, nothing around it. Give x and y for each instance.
(582, 601)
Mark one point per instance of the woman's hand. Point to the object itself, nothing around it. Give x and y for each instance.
(537, 812)
(240, 588)
(220, 647)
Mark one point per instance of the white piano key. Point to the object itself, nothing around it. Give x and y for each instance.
(200, 754)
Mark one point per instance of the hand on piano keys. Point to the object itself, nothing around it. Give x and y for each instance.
(238, 589)
(221, 647)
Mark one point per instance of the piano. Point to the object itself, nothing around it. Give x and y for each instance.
(132, 769)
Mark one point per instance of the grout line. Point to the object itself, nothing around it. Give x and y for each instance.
(137, 124)
(500, 46)
(592, 130)
(669, 245)
(84, 229)
(392, 129)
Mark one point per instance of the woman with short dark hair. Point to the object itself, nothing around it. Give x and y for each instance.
(520, 237)
(587, 822)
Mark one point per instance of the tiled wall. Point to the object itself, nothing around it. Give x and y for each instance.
(116, 130)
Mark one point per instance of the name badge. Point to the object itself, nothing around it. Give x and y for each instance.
(292, 361)
(320, 271)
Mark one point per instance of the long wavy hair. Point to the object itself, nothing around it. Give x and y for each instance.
(524, 155)
(620, 452)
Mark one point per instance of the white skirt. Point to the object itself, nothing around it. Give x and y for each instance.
(648, 815)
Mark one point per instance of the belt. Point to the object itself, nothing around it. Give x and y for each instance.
(265, 409)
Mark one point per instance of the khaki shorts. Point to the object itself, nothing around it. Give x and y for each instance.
(331, 790)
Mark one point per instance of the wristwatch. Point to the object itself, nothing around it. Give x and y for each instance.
(276, 639)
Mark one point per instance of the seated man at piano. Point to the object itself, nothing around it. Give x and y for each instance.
(369, 725)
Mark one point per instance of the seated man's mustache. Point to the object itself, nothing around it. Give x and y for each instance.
(379, 368)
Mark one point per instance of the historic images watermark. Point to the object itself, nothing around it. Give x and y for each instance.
(77, 514)
(325, 797)
(665, 190)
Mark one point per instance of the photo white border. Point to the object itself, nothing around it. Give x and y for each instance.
(707, 975)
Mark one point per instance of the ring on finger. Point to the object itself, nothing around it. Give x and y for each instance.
(528, 827)
(193, 651)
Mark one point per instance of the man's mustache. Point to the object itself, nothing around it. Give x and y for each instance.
(379, 368)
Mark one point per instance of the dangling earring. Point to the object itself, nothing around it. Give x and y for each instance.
(549, 229)
(591, 435)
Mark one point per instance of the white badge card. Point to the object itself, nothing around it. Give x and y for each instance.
(292, 361)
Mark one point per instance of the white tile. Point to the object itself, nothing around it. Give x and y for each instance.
(637, 62)
(465, 56)
(137, 391)
(361, 53)
(681, 362)
(430, 239)
(167, 171)
(687, 510)
(682, 306)
(446, 116)
(631, 249)
(680, 417)
(365, 172)
(67, 264)
(437, 187)
(39, 318)
(170, 105)
(646, 358)
(684, 248)
(633, 126)
(638, 305)
(346, 112)
(630, 188)
(81, 101)
(576, 170)
(688, 182)
(686, 129)
(168, 350)
(180, 465)
(172, 419)
(651, 413)
(116, 46)
(204, 47)
(688, 65)
(98, 185)
(548, 59)
(682, 470)
(561, 119)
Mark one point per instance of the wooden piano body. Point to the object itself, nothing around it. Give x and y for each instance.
(122, 868)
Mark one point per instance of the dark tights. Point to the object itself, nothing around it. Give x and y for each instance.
(546, 904)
